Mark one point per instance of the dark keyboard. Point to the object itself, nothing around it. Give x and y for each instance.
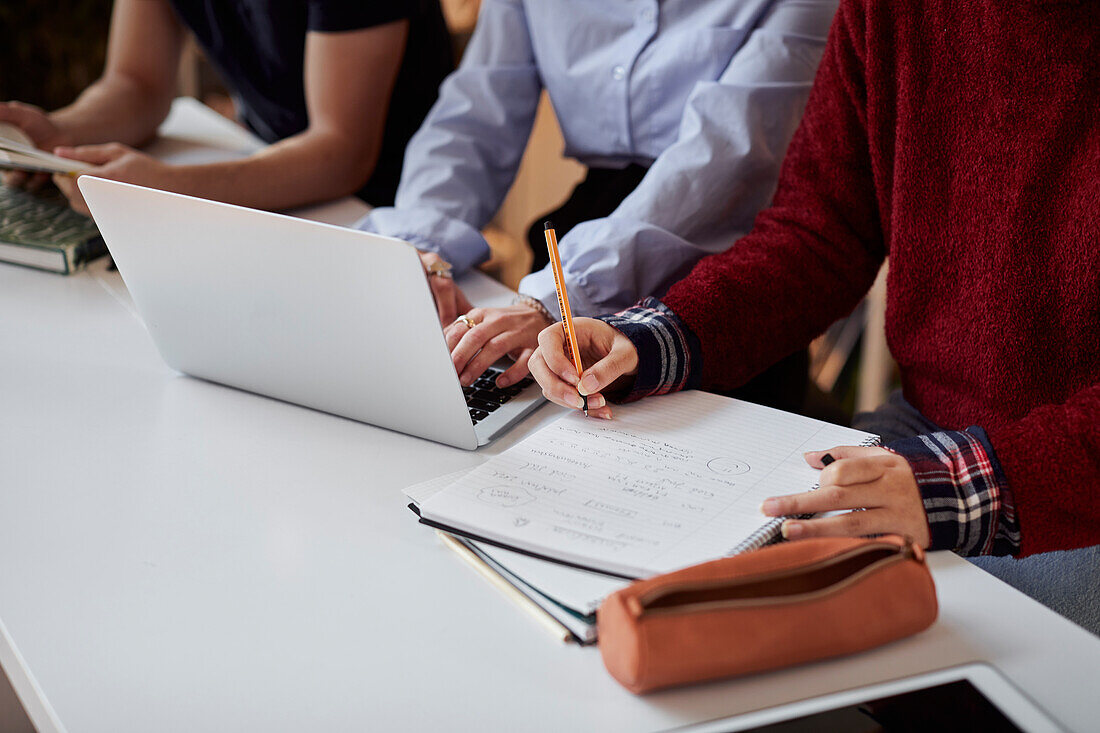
(484, 396)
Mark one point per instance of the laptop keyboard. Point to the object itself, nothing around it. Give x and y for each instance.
(41, 218)
(484, 396)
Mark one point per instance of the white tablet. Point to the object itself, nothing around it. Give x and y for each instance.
(973, 697)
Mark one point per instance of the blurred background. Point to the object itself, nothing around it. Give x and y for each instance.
(48, 54)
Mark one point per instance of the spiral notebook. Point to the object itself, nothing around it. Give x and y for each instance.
(672, 481)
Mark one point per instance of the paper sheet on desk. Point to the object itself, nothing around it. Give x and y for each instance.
(580, 590)
(671, 482)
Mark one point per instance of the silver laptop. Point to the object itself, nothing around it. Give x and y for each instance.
(322, 316)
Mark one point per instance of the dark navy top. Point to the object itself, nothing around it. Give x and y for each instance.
(259, 47)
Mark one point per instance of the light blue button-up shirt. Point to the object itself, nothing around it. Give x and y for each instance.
(706, 92)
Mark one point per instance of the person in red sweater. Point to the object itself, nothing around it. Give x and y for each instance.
(962, 140)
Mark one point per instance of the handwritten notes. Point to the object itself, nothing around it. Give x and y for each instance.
(670, 482)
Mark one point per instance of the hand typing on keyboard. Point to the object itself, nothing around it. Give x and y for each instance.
(512, 331)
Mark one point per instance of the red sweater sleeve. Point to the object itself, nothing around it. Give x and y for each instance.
(1051, 460)
(814, 253)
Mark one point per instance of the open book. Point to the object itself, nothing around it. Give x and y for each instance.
(670, 482)
(18, 151)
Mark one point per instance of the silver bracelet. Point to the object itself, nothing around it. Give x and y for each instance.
(534, 303)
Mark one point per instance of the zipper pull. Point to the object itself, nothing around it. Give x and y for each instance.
(911, 550)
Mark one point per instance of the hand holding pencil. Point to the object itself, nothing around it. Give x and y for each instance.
(564, 349)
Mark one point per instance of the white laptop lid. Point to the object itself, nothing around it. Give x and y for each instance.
(332, 318)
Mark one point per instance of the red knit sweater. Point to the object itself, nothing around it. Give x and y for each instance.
(962, 139)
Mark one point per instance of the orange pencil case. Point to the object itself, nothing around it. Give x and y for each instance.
(778, 606)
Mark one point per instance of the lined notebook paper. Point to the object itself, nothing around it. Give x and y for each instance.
(672, 481)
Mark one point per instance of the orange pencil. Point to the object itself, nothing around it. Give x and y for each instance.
(563, 302)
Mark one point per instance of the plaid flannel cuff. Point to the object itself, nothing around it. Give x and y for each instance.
(669, 356)
(966, 496)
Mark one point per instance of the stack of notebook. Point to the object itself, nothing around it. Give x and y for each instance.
(570, 596)
(581, 507)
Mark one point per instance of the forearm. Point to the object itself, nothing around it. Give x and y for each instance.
(463, 159)
(810, 257)
(814, 253)
(1028, 486)
(132, 97)
(967, 499)
(113, 109)
(1051, 459)
(703, 191)
(669, 355)
(307, 168)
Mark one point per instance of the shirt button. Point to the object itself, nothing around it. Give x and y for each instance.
(618, 73)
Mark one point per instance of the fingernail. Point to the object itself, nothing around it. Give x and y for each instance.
(578, 402)
(503, 381)
(589, 384)
(770, 507)
(607, 416)
(570, 376)
(792, 530)
(827, 459)
(596, 402)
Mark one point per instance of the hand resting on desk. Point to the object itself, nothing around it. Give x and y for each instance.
(874, 479)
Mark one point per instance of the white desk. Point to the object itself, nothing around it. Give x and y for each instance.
(175, 555)
(179, 556)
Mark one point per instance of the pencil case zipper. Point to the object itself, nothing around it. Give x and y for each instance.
(760, 590)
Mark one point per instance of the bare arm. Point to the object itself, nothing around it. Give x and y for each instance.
(349, 77)
(127, 102)
(131, 98)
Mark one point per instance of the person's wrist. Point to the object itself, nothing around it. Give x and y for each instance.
(61, 135)
(650, 373)
(536, 305)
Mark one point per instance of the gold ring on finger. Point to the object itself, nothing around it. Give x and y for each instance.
(470, 322)
(441, 268)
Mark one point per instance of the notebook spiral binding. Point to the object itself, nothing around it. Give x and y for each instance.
(771, 531)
